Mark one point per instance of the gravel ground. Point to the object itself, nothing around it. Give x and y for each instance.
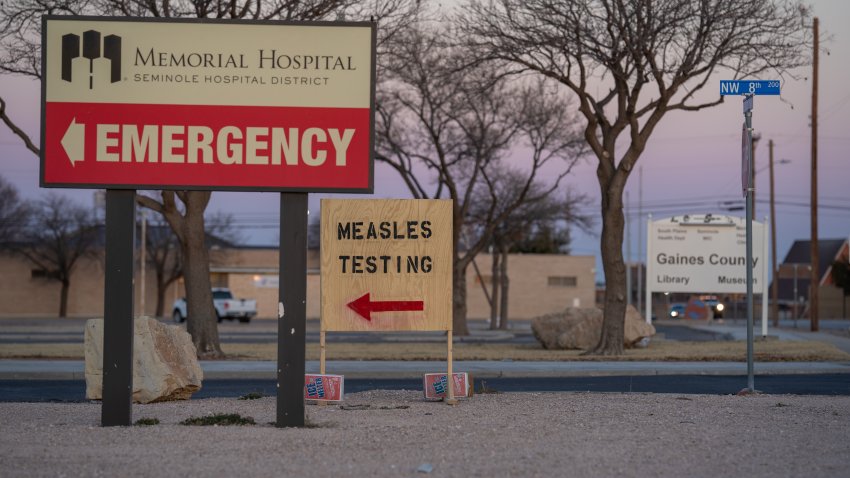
(395, 433)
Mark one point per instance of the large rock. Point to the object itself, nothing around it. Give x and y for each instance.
(165, 362)
(581, 328)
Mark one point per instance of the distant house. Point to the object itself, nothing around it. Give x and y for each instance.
(794, 277)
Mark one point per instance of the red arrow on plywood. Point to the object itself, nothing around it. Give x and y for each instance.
(364, 306)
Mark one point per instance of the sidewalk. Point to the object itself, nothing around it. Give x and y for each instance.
(230, 369)
(786, 331)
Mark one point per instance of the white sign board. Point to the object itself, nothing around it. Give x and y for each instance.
(704, 254)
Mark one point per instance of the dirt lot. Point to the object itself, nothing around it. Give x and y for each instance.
(391, 434)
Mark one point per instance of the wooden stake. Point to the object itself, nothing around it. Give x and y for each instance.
(450, 393)
(321, 360)
(322, 352)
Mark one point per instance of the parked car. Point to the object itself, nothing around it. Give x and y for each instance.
(226, 307)
(704, 307)
(677, 311)
(714, 303)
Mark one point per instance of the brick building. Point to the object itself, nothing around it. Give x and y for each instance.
(539, 284)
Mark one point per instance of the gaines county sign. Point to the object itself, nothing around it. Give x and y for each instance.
(154, 104)
(702, 254)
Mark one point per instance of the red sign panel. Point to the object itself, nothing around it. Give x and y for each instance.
(223, 106)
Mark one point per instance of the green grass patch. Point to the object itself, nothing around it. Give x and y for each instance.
(146, 422)
(219, 419)
(252, 396)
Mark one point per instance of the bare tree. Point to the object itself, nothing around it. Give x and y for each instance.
(442, 126)
(629, 63)
(540, 225)
(56, 237)
(163, 251)
(14, 213)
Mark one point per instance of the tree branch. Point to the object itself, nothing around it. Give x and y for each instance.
(16, 130)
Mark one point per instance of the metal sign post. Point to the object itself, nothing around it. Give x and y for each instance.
(292, 310)
(117, 409)
(749, 88)
(748, 119)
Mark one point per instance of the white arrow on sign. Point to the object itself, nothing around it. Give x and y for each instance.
(74, 141)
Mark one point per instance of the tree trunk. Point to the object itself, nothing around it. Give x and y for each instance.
(160, 295)
(459, 266)
(505, 284)
(494, 294)
(63, 298)
(459, 326)
(614, 311)
(201, 322)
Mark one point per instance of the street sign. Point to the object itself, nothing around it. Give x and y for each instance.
(749, 87)
(216, 105)
(386, 264)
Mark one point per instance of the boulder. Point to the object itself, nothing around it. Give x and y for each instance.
(165, 362)
(581, 328)
(636, 328)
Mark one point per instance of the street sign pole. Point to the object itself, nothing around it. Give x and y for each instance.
(749, 89)
(748, 117)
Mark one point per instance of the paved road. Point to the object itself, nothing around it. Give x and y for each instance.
(811, 384)
(70, 331)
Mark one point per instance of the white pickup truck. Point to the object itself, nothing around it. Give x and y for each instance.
(226, 307)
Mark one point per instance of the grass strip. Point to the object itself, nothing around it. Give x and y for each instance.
(219, 419)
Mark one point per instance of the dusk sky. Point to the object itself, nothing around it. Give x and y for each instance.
(692, 163)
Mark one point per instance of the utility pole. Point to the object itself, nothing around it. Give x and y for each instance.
(815, 277)
(774, 289)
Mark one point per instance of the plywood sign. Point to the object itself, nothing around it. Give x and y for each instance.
(386, 264)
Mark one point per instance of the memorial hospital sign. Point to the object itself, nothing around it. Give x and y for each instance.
(155, 104)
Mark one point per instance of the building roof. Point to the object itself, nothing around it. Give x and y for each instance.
(800, 253)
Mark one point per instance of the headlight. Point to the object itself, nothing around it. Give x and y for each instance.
(719, 307)
(674, 314)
